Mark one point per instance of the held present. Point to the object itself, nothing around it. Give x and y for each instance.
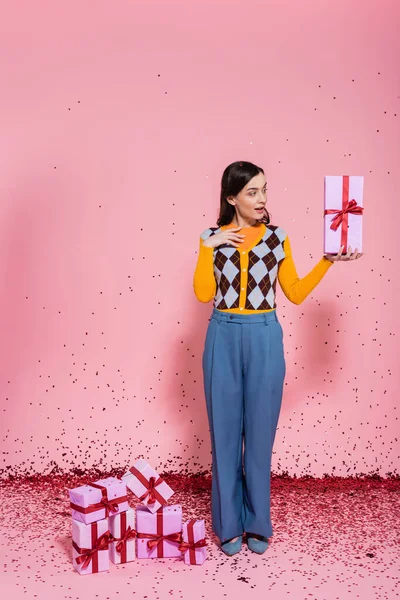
(90, 546)
(98, 500)
(123, 545)
(194, 543)
(146, 484)
(343, 213)
(159, 534)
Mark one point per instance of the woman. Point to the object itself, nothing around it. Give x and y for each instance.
(244, 366)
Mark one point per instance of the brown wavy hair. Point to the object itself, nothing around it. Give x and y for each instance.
(234, 178)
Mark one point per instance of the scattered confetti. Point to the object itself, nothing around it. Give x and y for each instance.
(332, 537)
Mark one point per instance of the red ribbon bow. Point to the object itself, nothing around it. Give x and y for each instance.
(155, 540)
(87, 554)
(185, 546)
(130, 534)
(350, 207)
(109, 505)
(151, 491)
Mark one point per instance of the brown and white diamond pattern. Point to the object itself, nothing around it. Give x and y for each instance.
(263, 269)
(227, 275)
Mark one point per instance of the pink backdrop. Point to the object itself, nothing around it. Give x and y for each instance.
(117, 120)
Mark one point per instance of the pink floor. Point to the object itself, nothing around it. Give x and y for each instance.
(333, 539)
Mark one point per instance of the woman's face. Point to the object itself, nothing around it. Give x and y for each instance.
(251, 200)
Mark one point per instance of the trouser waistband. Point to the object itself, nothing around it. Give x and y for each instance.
(265, 317)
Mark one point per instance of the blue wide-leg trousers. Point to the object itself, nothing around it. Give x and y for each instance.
(244, 370)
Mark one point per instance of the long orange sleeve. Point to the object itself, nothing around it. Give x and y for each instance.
(294, 288)
(204, 283)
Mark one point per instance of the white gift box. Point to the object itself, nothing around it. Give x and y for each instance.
(123, 548)
(343, 191)
(86, 538)
(194, 531)
(140, 478)
(91, 504)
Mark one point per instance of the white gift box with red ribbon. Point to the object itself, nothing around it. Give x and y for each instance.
(343, 214)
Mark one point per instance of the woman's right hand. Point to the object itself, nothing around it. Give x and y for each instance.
(229, 236)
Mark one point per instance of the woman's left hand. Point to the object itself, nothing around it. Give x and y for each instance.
(348, 256)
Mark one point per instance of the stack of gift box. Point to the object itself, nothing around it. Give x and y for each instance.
(104, 527)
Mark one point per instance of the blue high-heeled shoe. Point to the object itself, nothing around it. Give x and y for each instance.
(257, 544)
(231, 548)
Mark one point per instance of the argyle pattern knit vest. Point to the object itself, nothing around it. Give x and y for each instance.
(264, 260)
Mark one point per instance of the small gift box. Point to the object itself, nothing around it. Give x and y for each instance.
(98, 500)
(146, 484)
(194, 542)
(159, 534)
(343, 213)
(90, 546)
(122, 528)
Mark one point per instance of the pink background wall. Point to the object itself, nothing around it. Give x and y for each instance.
(117, 120)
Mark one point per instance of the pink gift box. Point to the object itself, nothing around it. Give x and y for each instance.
(154, 529)
(90, 546)
(90, 504)
(122, 528)
(194, 542)
(343, 197)
(147, 485)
